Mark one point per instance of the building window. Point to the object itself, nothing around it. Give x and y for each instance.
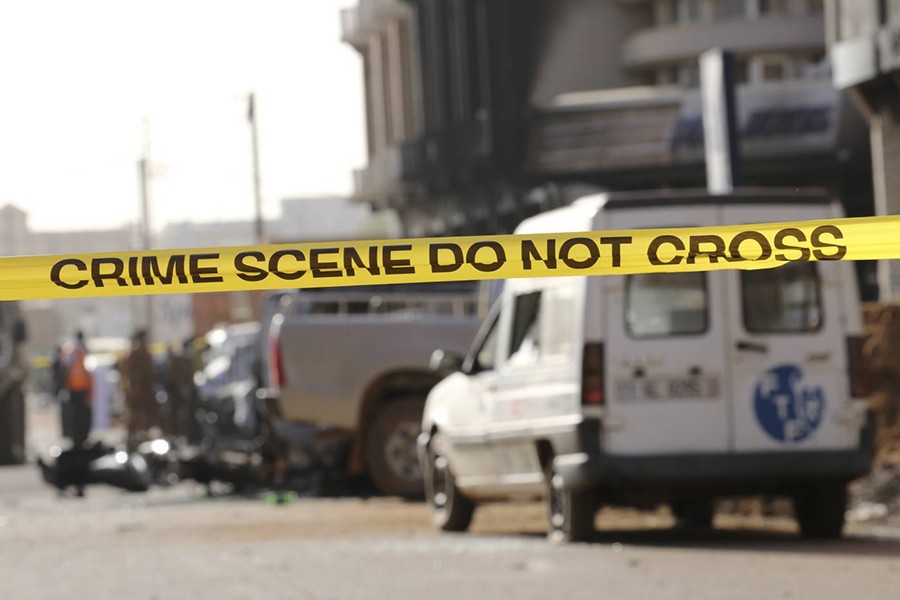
(772, 7)
(663, 12)
(813, 67)
(688, 11)
(782, 67)
(773, 71)
(741, 70)
(771, 67)
(689, 75)
(731, 9)
(667, 76)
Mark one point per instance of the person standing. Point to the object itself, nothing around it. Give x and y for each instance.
(58, 389)
(138, 385)
(179, 379)
(78, 388)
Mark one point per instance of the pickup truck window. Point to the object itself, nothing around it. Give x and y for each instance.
(782, 300)
(666, 304)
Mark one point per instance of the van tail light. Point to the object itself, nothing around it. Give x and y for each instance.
(593, 376)
(276, 364)
(859, 381)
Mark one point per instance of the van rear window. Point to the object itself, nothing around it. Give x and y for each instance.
(783, 300)
(666, 304)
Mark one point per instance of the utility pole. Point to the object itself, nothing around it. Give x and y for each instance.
(145, 230)
(257, 194)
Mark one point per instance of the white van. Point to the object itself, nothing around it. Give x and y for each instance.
(666, 388)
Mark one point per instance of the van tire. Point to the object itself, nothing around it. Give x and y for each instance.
(390, 446)
(450, 509)
(694, 515)
(570, 514)
(820, 511)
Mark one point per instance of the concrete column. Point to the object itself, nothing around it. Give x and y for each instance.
(397, 107)
(885, 140)
(378, 92)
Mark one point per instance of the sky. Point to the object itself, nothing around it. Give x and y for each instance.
(81, 83)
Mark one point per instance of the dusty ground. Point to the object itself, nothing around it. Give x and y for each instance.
(177, 543)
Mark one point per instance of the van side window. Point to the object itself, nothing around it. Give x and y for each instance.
(558, 324)
(782, 300)
(525, 346)
(666, 304)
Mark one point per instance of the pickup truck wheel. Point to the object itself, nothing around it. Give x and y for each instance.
(391, 449)
(450, 510)
(570, 514)
(820, 511)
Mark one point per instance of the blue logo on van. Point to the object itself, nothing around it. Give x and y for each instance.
(786, 409)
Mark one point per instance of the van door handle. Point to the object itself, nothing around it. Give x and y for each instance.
(639, 372)
(752, 346)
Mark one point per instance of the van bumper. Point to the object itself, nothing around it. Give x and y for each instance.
(758, 471)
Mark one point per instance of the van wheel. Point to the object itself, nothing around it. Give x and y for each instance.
(450, 510)
(391, 449)
(820, 511)
(696, 515)
(570, 514)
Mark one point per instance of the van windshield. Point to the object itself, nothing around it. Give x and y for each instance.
(666, 304)
(782, 300)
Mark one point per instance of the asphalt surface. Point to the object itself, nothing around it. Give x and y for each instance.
(179, 543)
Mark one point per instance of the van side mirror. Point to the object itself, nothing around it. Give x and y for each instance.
(19, 332)
(444, 361)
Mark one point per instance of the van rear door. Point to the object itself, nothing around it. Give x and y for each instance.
(665, 350)
(788, 347)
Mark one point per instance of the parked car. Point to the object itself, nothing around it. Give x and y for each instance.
(229, 446)
(645, 389)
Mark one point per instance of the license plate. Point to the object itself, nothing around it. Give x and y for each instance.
(667, 388)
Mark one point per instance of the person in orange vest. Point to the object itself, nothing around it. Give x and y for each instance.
(78, 387)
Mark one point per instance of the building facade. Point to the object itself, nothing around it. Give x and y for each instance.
(483, 112)
(864, 37)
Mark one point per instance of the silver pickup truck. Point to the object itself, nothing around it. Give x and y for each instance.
(356, 361)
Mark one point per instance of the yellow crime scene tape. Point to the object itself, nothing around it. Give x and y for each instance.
(334, 264)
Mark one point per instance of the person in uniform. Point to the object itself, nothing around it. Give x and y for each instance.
(79, 388)
(179, 380)
(138, 386)
(13, 373)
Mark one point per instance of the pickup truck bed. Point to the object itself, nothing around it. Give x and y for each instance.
(360, 363)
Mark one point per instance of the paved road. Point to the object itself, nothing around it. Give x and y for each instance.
(176, 543)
